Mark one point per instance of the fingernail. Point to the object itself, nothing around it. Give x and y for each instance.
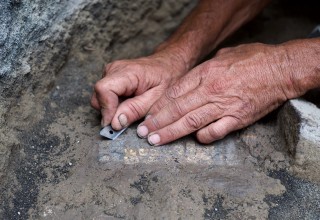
(103, 124)
(154, 139)
(123, 120)
(142, 131)
(147, 116)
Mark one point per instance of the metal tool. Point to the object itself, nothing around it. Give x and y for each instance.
(109, 133)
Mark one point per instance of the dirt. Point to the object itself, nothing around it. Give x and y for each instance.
(57, 169)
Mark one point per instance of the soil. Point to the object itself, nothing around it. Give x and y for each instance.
(60, 167)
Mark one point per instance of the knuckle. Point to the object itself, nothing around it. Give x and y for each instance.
(203, 70)
(173, 92)
(176, 108)
(135, 109)
(118, 65)
(242, 47)
(193, 121)
(107, 69)
(249, 106)
(107, 66)
(172, 134)
(258, 44)
(247, 109)
(115, 64)
(223, 51)
(98, 87)
(217, 87)
(155, 108)
(158, 106)
(155, 123)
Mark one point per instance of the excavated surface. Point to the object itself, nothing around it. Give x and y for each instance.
(60, 168)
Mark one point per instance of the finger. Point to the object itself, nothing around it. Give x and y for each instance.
(218, 130)
(107, 92)
(94, 101)
(184, 85)
(135, 108)
(106, 69)
(108, 102)
(191, 122)
(175, 110)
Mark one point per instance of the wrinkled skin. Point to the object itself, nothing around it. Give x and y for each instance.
(229, 92)
(148, 79)
(143, 79)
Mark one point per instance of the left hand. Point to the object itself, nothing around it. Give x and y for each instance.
(145, 79)
(229, 92)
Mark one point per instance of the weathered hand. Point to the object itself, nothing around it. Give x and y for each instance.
(144, 79)
(231, 91)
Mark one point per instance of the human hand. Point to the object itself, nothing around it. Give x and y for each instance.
(144, 80)
(229, 92)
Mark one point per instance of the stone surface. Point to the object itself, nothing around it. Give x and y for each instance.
(300, 123)
(33, 45)
(37, 37)
(56, 166)
(136, 151)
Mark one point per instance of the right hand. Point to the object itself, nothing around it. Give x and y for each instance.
(144, 80)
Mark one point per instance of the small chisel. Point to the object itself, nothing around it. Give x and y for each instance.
(109, 133)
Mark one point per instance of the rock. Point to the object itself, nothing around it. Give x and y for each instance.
(299, 121)
(37, 37)
(57, 166)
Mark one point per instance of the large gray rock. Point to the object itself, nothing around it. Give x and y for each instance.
(300, 123)
(33, 45)
(36, 38)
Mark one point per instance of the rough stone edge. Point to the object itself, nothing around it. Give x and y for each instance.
(299, 122)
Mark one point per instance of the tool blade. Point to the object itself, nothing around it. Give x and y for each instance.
(109, 133)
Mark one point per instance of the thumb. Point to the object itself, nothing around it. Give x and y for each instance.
(107, 93)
